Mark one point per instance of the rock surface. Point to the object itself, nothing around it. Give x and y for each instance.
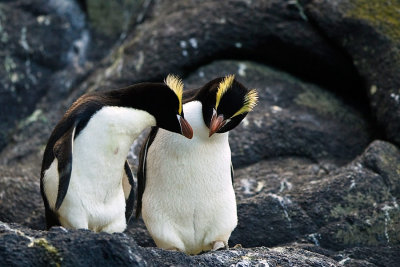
(83, 248)
(315, 184)
(368, 31)
(37, 39)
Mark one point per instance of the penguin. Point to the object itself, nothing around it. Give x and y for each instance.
(85, 180)
(185, 189)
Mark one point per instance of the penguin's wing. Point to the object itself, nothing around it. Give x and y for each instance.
(130, 201)
(63, 152)
(232, 172)
(51, 217)
(141, 174)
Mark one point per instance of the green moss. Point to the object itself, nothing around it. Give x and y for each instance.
(117, 59)
(35, 116)
(112, 17)
(325, 104)
(50, 249)
(389, 164)
(373, 223)
(383, 15)
(43, 243)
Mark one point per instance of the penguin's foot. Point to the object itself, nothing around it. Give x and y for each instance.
(172, 249)
(217, 245)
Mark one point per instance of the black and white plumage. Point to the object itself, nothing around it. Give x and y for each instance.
(185, 190)
(85, 177)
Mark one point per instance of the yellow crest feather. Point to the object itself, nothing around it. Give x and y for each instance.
(224, 85)
(250, 101)
(176, 85)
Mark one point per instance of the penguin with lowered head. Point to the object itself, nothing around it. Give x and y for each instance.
(185, 189)
(85, 168)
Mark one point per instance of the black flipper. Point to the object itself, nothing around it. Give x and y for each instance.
(51, 217)
(63, 152)
(141, 174)
(232, 172)
(130, 202)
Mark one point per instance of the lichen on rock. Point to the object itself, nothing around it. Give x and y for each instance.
(383, 15)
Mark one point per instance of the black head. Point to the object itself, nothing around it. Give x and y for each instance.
(226, 103)
(163, 101)
(164, 115)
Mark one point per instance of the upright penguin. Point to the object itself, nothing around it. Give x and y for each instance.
(84, 161)
(185, 190)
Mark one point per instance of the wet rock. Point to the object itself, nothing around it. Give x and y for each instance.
(383, 159)
(360, 256)
(138, 231)
(113, 18)
(369, 32)
(21, 202)
(111, 21)
(21, 246)
(180, 36)
(370, 256)
(354, 206)
(347, 207)
(36, 38)
(269, 220)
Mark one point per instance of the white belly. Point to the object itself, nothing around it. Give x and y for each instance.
(189, 201)
(90, 202)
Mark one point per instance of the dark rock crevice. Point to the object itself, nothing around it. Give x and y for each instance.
(351, 85)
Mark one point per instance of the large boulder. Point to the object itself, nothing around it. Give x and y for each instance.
(20, 200)
(37, 38)
(280, 201)
(357, 204)
(369, 32)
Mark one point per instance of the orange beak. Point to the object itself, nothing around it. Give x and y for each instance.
(217, 122)
(186, 129)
